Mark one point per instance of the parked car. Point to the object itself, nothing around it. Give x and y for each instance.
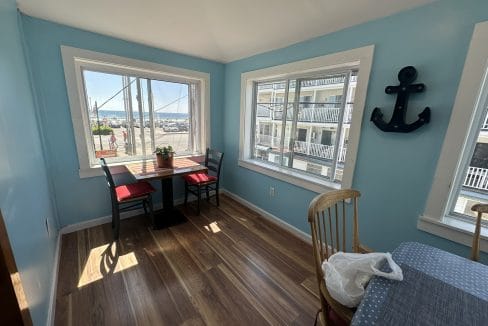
(114, 124)
(170, 127)
(183, 126)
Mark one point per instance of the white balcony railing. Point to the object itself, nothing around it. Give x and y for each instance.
(270, 141)
(315, 114)
(476, 178)
(485, 124)
(317, 150)
(308, 83)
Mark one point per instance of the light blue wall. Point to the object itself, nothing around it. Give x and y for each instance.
(393, 171)
(25, 197)
(84, 199)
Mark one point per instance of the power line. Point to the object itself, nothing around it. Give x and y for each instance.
(121, 90)
(165, 106)
(116, 94)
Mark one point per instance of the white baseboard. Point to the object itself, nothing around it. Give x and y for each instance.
(101, 220)
(54, 282)
(108, 218)
(270, 217)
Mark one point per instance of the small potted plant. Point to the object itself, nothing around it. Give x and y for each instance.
(164, 156)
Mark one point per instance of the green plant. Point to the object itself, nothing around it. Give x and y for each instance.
(165, 151)
(101, 130)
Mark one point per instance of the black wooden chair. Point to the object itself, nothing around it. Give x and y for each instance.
(196, 183)
(127, 197)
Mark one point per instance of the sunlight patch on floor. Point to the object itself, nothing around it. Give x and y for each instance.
(212, 227)
(104, 260)
(19, 291)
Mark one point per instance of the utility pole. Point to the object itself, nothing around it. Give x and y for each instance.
(98, 126)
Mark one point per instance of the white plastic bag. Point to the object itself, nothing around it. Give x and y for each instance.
(346, 274)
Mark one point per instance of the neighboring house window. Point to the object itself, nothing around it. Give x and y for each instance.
(313, 109)
(473, 187)
(122, 109)
(461, 178)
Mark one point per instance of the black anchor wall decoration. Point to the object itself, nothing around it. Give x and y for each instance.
(406, 76)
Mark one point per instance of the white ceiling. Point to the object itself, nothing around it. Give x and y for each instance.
(220, 30)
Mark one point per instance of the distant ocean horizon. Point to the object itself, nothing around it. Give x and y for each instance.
(121, 115)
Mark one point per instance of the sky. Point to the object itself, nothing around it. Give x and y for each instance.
(168, 96)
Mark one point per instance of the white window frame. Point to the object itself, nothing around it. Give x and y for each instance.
(361, 59)
(75, 60)
(472, 94)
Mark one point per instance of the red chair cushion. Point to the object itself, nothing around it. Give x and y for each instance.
(133, 190)
(197, 178)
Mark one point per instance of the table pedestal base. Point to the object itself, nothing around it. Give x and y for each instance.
(169, 215)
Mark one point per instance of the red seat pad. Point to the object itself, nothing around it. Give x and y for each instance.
(133, 190)
(196, 178)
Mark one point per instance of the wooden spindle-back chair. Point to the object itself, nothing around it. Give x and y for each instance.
(475, 248)
(328, 215)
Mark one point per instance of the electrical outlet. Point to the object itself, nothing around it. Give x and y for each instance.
(271, 191)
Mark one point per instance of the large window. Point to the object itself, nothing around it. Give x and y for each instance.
(461, 178)
(300, 122)
(122, 109)
(129, 116)
(303, 123)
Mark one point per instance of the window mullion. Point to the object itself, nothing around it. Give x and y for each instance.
(254, 118)
(340, 121)
(283, 121)
(141, 116)
(130, 115)
(191, 117)
(294, 122)
(151, 114)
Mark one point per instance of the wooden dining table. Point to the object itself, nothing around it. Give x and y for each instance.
(148, 170)
(438, 288)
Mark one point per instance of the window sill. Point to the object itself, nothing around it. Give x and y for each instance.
(96, 171)
(119, 167)
(453, 229)
(293, 177)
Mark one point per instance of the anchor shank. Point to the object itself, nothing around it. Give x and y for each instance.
(398, 117)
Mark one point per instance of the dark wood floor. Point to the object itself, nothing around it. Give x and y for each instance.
(227, 266)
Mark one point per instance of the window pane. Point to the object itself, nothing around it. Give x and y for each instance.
(105, 108)
(270, 100)
(474, 186)
(172, 115)
(319, 117)
(135, 115)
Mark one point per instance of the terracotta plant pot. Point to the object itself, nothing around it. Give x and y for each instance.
(166, 163)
